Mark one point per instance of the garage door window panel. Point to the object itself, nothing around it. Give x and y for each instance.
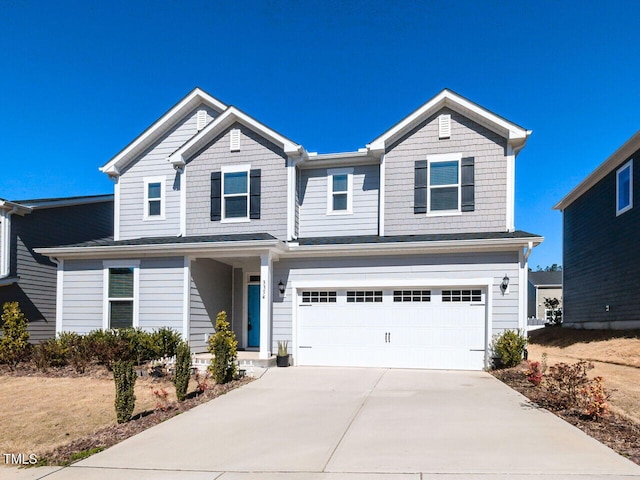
(319, 297)
(412, 295)
(457, 296)
(364, 296)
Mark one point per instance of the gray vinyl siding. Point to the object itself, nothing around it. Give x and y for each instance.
(467, 138)
(313, 194)
(37, 285)
(153, 163)
(505, 311)
(211, 292)
(601, 261)
(83, 296)
(546, 292)
(161, 293)
(255, 151)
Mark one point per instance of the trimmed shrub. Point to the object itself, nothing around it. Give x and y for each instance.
(14, 345)
(183, 370)
(50, 353)
(125, 379)
(107, 347)
(509, 346)
(165, 342)
(77, 350)
(224, 347)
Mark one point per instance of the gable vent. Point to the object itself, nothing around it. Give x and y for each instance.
(235, 140)
(444, 126)
(202, 119)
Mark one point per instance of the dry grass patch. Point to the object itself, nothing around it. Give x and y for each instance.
(46, 412)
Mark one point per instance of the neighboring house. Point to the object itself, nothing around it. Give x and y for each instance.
(29, 277)
(401, 254)
(601, 262)
(544, 285)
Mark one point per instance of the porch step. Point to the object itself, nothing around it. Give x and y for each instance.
(245, 359)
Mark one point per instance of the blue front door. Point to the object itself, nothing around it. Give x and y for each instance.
(253, 324)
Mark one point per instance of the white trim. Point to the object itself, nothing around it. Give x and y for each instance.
(511, 182)
(163, 198)
(106, 265)
(246, 168)
(522, 292)
(349, 192)
(59, 297)
(486, 283)
(266, 287)
(5, 239)
(183, 202)
(116, 208)
(186, 296)
(439, 158)
(291, 199)
(381, 196)
(629, 165)
(159, 127)
(245, 306)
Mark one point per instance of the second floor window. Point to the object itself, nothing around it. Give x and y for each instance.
(444, 186)
(235, 188)
(154, 198)
(624, 188)
(340, 191)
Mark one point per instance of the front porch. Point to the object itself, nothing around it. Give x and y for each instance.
(246, 360)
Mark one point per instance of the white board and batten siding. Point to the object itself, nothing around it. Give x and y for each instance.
(160, 301)
(153, 164)
(313, 191)
(453, 271)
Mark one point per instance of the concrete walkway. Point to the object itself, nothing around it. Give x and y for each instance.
(347, 423)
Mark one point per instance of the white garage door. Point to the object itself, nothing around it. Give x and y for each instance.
(440, 328)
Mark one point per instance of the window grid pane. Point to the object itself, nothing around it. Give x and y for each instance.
(624, 191)
(340, 183)
(235, 207)
(155, 208)
(444, 198)
(154, 191)
(339, 201)
(121, 283)
(319, 297)
(461, 295)
(443, 173)
(121, 314)
(235, 183)
(412, 295)
(364, 296)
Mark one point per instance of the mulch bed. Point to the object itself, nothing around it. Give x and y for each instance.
(615, 431)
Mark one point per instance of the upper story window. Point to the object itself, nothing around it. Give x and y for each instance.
(624, 188)
(340, 191)
(154, 198)
(235, 193)
(443, 184)
(120, 295)
(4, 245)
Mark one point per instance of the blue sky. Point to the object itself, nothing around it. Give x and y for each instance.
(81, 79)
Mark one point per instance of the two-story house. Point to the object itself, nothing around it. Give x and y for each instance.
(401, 254)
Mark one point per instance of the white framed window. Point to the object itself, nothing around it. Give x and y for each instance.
(443, 184)
(340, 191)
(319, 297)
(457, 296)
(154, 198)
(235, 193)
(364, 296)
(121, 281)
(624, 188)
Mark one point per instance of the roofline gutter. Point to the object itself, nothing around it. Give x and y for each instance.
(220, 249)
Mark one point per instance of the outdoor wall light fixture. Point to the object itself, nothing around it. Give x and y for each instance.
(281, 288)
(505, 284)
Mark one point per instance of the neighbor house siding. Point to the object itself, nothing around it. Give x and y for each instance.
(601, 261)
(153, 163)
(467, 138)
(161, 302)
(83, 295)
(313, 195)
(505, 311)
(46, 227)
(259, 154)
(547, 292)
(211, 287)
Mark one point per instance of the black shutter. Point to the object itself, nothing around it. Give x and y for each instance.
(420, 187)
(216, 194)
(254, 204)
(468, 184)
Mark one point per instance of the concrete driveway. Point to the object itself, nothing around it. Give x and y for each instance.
(347, 423)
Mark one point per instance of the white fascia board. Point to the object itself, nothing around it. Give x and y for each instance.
(512, 132)
(161, 126)
(405, 248)
(219, 250)
(344, 159)
(230, 116)
(606, 167)
(13, 207)
(393, 282)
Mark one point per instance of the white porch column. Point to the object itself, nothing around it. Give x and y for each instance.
(266, 280)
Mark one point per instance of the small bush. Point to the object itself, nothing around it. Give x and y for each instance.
(224, 347)
(125, 379)
(594, 399)
(50, 353)
(107, 347)
(14, 345)
(564, 384)
(183, 370)
(534, 372)
(509, 346)
(165, 342)
(77, 350)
